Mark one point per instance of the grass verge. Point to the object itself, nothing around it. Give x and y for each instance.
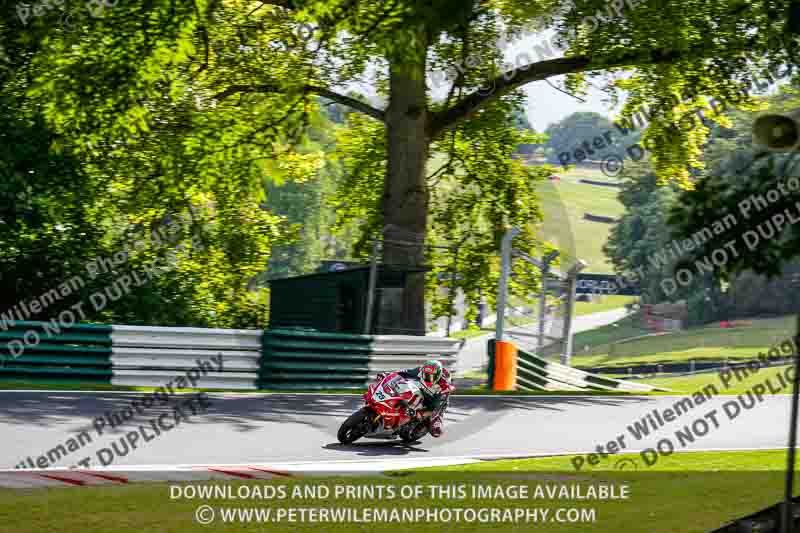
(727, 381)
(686, 492)
(687, 461)
(471, 332)
(564, 204)
(602, 303)
(614, 345)
(597, 338)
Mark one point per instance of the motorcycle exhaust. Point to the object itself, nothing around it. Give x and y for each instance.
(777, 132)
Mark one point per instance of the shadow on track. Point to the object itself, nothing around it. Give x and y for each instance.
(377, 449)
(75, 411)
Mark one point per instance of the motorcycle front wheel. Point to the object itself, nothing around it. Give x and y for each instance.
(355, 427)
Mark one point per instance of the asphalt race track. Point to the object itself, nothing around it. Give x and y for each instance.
(262, 428)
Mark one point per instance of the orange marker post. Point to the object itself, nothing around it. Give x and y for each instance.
(505, 366)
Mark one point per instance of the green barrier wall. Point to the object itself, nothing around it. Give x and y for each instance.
(536, 373)
(47, 352)
(490, 371)
(532, 373)
(310, 360)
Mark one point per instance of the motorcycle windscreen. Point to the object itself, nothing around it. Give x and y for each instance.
(391, 386)
(395, 388)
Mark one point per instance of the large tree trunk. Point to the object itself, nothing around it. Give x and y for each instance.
(405, 200)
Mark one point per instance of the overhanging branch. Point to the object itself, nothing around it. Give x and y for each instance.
(350, 102)
(542, 70)
(286, 4)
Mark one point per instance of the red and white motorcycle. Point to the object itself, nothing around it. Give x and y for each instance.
(390, 412)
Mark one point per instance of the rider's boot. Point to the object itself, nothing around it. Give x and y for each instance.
(437, 427)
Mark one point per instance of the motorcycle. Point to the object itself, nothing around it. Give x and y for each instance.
(390, 412)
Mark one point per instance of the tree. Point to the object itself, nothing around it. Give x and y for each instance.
(303, 203)
(736, 203)
(521, 121)
(66, 205)
(251, 70)
(643, 237)
(49, 225)
(637, 242)
(567, 134)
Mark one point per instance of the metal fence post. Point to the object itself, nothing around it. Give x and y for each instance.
(572, 282)
(502, 286)
(546, 260)
(787, 518)
(373, 271)
(452, 289)
(566, 355)
(542, 312)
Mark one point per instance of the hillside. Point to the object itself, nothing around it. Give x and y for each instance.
(566, 201)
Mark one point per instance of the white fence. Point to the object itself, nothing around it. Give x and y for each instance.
(393, 352)
(151, 356)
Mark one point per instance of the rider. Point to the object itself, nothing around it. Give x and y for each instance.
(435, 384)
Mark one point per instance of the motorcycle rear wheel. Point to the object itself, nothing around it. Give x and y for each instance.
(415, 433)
(355, 427)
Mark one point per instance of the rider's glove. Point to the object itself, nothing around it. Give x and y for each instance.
(410, 412)
(381, 375)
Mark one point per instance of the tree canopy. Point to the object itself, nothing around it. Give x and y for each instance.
(193, 103)
(567, 134)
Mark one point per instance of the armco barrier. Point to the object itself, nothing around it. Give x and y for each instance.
(304, 359)
(391, 352)
(536, 373)
(251, 359)
(48, 352)
(152, 356)
(300, 359)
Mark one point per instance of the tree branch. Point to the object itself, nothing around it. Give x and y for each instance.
(358, 105)
(286, 4)
(557, 88)
(508, 81)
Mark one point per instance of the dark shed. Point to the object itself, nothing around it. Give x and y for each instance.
(337, 301)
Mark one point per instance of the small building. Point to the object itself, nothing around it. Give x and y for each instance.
(336, 300)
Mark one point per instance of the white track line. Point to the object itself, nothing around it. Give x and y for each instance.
(49, 477)
(358, 395)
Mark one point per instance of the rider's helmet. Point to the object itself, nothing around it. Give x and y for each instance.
(431, 373)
